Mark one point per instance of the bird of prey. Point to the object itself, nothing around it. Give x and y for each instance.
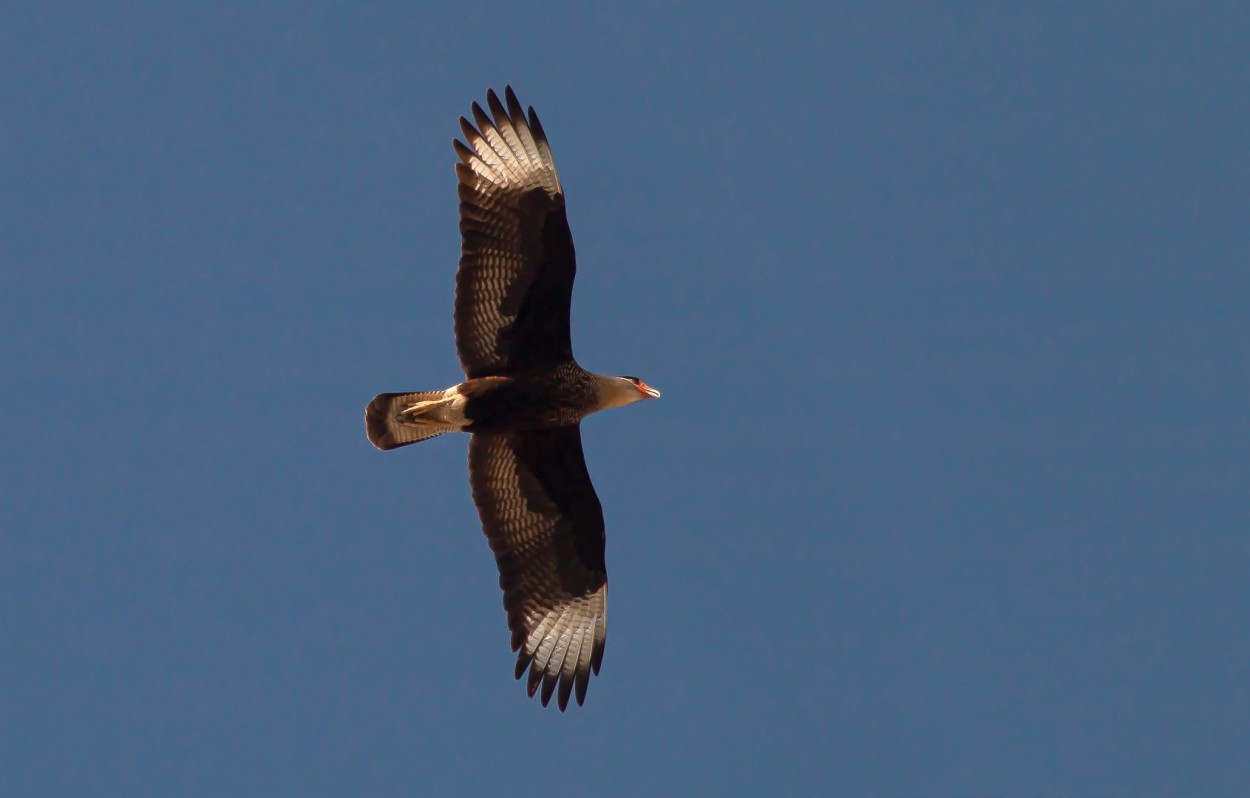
(522, 400)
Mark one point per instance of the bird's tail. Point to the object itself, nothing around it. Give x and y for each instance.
(398, 419)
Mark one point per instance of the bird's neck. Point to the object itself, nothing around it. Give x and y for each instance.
(614, 392)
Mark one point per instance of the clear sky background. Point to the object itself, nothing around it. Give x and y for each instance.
(947, 493)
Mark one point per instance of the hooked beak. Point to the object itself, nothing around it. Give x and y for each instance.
(648, 391)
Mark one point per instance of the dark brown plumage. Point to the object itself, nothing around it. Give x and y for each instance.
(522, 400)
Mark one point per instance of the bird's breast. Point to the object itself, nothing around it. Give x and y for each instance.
(509, 404)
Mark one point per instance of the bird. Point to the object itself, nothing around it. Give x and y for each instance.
(522, 400)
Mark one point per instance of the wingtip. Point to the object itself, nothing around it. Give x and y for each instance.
(549, 688)
(469, 132)
(514, 105)
(566, 688)
(496, 108)
(480, 117)
(536, 127)
(535, 679)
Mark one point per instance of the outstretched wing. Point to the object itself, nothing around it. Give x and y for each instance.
(545, 525)
(516, 261)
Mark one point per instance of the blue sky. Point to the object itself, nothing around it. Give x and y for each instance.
(947, 493)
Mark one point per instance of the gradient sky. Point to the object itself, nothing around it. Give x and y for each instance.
(947, 494)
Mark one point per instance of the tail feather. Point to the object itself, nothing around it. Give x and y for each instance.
(388, 430)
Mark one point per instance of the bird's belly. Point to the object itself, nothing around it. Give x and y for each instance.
(516, 419)
(512, 406)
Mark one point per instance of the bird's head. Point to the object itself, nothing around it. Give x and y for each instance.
(646, 390)
(620, 391)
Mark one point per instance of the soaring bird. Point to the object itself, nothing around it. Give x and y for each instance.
(522, 400)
